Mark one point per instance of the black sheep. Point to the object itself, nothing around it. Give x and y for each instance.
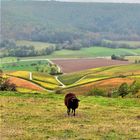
(71, 102)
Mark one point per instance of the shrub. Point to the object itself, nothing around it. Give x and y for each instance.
(58, 92)
(7, 86)
(134, 87)
(96, 92)
(123, 90)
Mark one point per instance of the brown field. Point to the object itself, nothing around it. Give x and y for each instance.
(24, 84)
(73, 65)
(104, 84)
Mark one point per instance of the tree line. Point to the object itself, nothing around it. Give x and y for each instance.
(9, 47)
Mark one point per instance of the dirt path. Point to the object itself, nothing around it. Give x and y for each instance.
(56, 77)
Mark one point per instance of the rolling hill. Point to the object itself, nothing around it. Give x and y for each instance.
(41, 19)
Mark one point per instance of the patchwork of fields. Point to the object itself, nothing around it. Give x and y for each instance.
(81, 82)
(81, 76)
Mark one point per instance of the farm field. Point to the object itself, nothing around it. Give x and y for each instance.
(133, 58)
(43, 116)
(105, 84)
(45, 78)
(41, 79)
(97, 73)
(21, 83)
(37, 45)
(74, 65)
(7, 60)
(93, 52)
(132, 44)
(31, 65)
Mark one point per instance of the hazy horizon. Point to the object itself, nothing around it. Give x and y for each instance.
(106, 1)
(113, 1)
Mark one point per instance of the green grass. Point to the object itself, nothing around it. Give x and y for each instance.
(45, 78)
(7, 60)
(43, 116)
(93, 52)
(24, 65)
(131, 43)
(37, 45)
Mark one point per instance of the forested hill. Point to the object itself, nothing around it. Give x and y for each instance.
(62, 21)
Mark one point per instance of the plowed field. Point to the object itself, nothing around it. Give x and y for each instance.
(73, 65)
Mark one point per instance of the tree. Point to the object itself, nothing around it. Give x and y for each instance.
(113, 57)
(123, 89)
(5, 84)
(53, 70)
(134, 87)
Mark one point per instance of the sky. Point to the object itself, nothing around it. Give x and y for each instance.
(116, 1)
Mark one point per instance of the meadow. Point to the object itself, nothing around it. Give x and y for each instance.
(43, 116)
(36, 44)
(17, 65)
(91, 52)
(135, 44)
(94, 52)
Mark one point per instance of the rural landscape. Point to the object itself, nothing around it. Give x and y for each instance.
(51, 48)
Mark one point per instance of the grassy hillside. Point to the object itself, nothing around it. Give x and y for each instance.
(43, 116)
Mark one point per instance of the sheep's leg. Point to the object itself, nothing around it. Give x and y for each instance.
(68, 111)
(74, 112)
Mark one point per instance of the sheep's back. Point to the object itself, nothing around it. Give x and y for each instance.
(68, 97)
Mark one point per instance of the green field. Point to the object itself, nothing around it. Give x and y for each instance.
(30, 65)
(93, 52)
(43, 116)
(83, 53)
(7, 60)
(37, 45)
(131, 43)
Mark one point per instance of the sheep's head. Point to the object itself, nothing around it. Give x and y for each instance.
(75, 100)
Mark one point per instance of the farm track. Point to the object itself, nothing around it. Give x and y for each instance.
(62, 85)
